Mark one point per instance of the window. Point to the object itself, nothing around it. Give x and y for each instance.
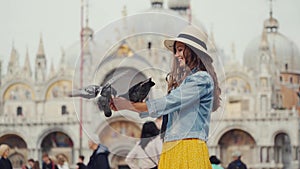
(291, 80)
(280, 78)
(19, 111)
(64, 110)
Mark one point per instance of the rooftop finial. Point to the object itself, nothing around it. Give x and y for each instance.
(124, 11)
(87, 13)
(271, 8)
(271, 24)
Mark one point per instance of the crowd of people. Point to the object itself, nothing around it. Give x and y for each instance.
(193, 93)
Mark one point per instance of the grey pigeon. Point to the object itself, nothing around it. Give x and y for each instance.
(101, 93)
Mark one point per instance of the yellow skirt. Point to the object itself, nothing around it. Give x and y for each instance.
(184, 154)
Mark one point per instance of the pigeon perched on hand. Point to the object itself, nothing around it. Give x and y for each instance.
(139, 91)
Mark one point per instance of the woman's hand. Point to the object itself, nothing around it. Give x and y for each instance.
(120, 103)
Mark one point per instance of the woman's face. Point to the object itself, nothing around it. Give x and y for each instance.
(179, 53)
(6, 153)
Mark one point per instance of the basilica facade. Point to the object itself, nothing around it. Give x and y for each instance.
(260, 108)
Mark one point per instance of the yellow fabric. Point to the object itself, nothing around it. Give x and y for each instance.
(185, 154)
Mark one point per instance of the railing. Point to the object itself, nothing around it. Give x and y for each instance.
(7, 120)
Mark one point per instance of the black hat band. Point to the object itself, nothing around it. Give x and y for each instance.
(192, 38)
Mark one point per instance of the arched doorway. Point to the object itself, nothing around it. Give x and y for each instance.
(282, 150)
(237, 140)
(58, 144)
(18, 153)
(120, 136)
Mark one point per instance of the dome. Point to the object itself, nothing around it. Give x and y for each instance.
(285, 53)
(179, 4)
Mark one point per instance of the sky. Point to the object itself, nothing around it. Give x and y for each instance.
(58, 22)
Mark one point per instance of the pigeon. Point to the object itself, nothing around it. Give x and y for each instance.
(101, 93)
(139, 91)
(105, 98)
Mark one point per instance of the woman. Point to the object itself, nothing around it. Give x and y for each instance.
(36, 165)
(193, 94)
(61, 162)
(4, 161)
(145, 154)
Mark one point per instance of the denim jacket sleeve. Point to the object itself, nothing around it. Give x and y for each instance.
(188, 93)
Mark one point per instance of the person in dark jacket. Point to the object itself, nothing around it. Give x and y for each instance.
(4, 161)
(237, 162)
(80, 164)
(48, 163)
(99, 158)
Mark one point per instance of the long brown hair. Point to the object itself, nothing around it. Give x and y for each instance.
(193, 61)
(178, 74)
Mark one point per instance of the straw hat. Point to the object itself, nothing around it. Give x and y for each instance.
(191, 36)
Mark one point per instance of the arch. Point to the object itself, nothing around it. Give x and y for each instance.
(57, 142)
(18, 91)
(120, 131)
(236, 80)
(118, 159)
(47, 131)
(11, 82)
(237, 139)
(14, 141)
(219, 135)
(17, 159)
(107, 68)
(273, 137)
(283, 149)
(58, 89)
(120, 135)
(56, 139)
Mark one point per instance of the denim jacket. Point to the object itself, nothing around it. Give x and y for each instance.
(188, 108)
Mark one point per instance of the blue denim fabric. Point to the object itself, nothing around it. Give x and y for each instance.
(188, 108)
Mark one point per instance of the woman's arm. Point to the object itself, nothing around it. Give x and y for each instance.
(120, 103)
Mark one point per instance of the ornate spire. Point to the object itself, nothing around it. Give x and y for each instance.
(52, 70)
(212, 42)
(62, 60)
(233, 51)
(13, 64)
(27, 68)
(124, 11)
(13, 54)
(41, 52)
(40, 63)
